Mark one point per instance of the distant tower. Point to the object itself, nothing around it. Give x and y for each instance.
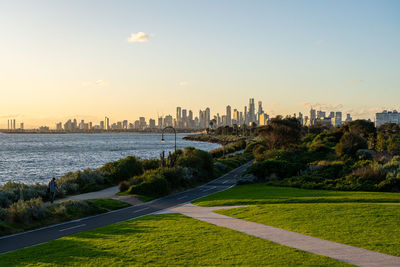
(106, 123)
(252, 111)
(312, 116)
(228, 116)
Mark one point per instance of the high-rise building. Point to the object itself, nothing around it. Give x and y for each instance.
(106, 123)
(313, 116)
(125, 124)
(259, 111)
(102, 125)
(160, 122)
(152, 123)
(228, 116)
(246, 116)
(21, 126)
(387, 117)
(251, 111)
(348, 118)
(178, 114)
(59, 126)
(207, 117)
(236, 117)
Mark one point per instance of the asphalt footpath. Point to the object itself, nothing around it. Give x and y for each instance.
(52, 232)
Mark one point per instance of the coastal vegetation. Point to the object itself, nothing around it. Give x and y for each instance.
(355, 156)
(191, 167)
(163, 240)
(33, 213)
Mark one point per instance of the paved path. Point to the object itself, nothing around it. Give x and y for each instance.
(105, 193)
(349, 254)
(45, 234)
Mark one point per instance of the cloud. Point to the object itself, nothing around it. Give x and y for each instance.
(10, 116)
(319, 42)
(183, 83)
(95, 83)
(139, 37)
(322, 106)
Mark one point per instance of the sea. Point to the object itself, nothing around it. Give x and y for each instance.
(35, 158)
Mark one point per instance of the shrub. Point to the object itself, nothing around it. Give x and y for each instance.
(151, 164)
(122, 169)
(12, 192)
(349, 144)
(81, 182)
(366, 178)
(74, 208)
(280, 168)
(26, 211)
(197, 159)
(154, 185)
(124, 186)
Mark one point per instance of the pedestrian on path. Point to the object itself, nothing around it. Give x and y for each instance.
(52, 189)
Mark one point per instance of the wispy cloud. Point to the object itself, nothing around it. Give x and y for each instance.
(139, 37)
(95, 83)
(322, 106)
(183, 84)
(319, 42)
(9, 116)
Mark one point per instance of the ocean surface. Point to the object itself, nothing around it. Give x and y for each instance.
(31, 158)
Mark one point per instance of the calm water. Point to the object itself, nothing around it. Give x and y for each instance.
(31, 158)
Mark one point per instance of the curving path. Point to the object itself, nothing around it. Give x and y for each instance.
(45, 234)
(349, 254)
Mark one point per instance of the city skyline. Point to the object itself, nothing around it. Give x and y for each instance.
(131, 59)
(185, 118)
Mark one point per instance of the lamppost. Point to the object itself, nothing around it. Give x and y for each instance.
(163, 140)
(162, 134)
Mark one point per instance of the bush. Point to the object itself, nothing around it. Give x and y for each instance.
(12, 192)
(198, 160)
(349, 144)
(122, 169)
(153, 185)
(26, 211)
(74, 208)
(81, 182)
(124, 186)
(280, 168)
(151, 164)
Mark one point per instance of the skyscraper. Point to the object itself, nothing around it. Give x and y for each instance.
(259, 112)
(228, 116)
(107, 123)
(312, 116)
(251, 111)
(178, 115)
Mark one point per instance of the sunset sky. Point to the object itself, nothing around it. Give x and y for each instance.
(125, 59)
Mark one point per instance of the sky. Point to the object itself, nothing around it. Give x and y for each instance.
(125, 59)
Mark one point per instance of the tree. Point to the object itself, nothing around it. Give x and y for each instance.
(281, 132)
(349, 144)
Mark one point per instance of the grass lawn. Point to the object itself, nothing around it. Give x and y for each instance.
(254, 194)
(140, 197)
(109, 204)
(371, 226)
(161, 240)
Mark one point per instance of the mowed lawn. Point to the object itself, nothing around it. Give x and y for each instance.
(163, 240)
(254, 194)
(371, 226)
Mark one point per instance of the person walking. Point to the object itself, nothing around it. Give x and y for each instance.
(52, 189)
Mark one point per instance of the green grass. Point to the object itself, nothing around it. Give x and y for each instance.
(371, 226)
(140, 197)
(109, 204)
(254, 194)
(161, 240)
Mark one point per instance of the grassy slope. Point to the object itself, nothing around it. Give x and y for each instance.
(163, 240)
(109, 204)
(262, 194)
(371, 226)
